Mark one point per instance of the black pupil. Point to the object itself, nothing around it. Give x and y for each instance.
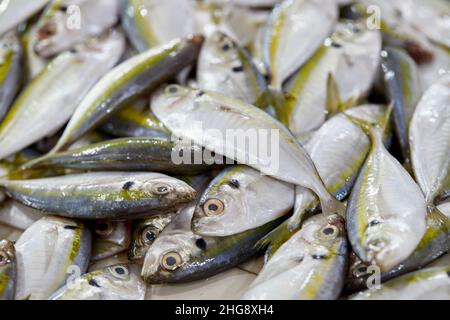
(149, 236)
(362, 269)
(200, 243)
(328, 231)
(213, 207)
(226, 47)
(173, 90)
(171, 261)
(102, 227)
(120, 271)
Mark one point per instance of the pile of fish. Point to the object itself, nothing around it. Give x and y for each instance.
(99, 97)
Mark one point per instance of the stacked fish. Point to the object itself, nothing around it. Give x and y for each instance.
(96, 97)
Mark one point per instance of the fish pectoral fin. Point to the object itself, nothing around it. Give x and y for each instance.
(333, 98)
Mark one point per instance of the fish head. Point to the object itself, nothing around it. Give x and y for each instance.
(219, 50)
(145, 232)
(166, 189)
(171, 98)
(52, 33)
(111, 237)
(7, 253)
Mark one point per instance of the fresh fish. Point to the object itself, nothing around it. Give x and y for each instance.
(179, 255)
(129, 154)
(145, 232)
(66, 23)
(150, 23)
(338, 76)
(310, 265)
(425, 284)
(403, 87)
(134, 122)
(17, 215)
(8, 270)
(290, 21)
(227, 68)
(134, 77)
(430, 139)
(386, 212)
(47, 253)
(10, 71)
(110, 238)
(103, 195)
(240, 198)
(434, 244)
(117, 282)
(13, 12)
(44, 106)
(208, 119)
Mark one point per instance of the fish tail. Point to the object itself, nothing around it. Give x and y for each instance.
(272, 241)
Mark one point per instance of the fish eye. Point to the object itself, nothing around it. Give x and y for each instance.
(360, 270)
(161, 189)
(46, 31)
(104, 228)
(171, 261)
(213, 207)
(172, 89)
(329, 232)
(149, 235)
(120, 272)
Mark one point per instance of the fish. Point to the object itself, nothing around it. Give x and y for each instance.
(8, 270)
(43, 107)
(434, 244)
(102, 195)
(239, 199)
(178, 255)
(425, 284)
(145, 232)
(120, 258)
(134, 122)
(150, 23)
(292, 20)
(129, 154)
(66, 23)
(17, 215)
(47, 253)
(248, 3)
(225, 67)
(429, 137)
(386, 211)
(445, 208)
(131, 78)
(13, 12)
(215, 121)
(403, 87)
(432, 71)
(11, 54)
(33, 64)
(338, 76)
(310, 265)
(110, 238)
(116, 282)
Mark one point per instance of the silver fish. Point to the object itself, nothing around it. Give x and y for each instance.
(17, 215)
(13, 12)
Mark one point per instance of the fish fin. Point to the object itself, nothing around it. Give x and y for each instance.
(333, 206)
(333, 101)
(437, 216)
(272, 241)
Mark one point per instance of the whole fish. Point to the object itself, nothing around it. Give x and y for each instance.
(434, 244)
(150, 23)
(47, 253)
(227, 68)
(8, 270)
(403, 87)
(145, 232)
(110, 238)
(430, 139)
(17, 215)
(338, 76)
(13, 12)
(310, 265)
(292, 20)
(102, 195)
(425, 284)
(240, 198)
(66, 23)
(129, 154)
(44, 106)
(179, 255)
(209, 118)
(10, 70)
(131, 78)
(117, 282)
(134, 122)
(386, 212)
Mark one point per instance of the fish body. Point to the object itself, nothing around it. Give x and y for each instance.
(44, 106)
(14, 12)
(8, 270)
(102, 195)
(17, 215)
(47, 252)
